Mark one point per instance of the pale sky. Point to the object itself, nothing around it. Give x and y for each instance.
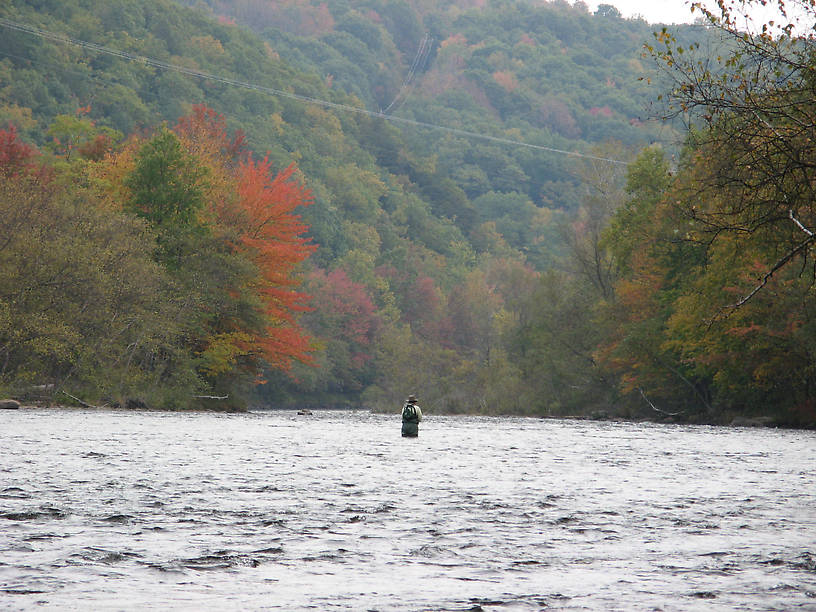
(653, 11)
(669, 11)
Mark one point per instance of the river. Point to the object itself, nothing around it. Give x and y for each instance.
(335, 511)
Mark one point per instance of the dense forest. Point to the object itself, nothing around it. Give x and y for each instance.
(505, 207)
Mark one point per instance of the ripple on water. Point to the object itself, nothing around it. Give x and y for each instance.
(222, 559)
(101, 556)
(14, 493)
(43, 513)
(122, 519)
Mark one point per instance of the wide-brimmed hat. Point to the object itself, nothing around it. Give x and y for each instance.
(412, 398)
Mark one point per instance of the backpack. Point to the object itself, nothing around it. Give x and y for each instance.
(409, 413)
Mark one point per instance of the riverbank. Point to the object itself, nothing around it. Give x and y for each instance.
(109, 408)
(762, 421)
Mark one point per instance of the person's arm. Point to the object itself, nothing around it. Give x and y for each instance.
(418, 412)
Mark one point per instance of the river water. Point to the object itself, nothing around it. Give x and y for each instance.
(335, 511)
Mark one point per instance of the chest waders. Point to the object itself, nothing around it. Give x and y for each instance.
(410, 422)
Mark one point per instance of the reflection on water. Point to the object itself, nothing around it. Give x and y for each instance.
(336, 511)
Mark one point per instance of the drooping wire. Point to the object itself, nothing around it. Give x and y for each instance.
(419, 60)
(149, 61)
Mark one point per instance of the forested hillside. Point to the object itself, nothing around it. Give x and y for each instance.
(335, 203)
(552, 73)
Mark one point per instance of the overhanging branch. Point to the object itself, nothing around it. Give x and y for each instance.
(778, 265)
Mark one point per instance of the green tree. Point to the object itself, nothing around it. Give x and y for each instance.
(167, 189)
(556, 348)
(648, 179)
(657, 265)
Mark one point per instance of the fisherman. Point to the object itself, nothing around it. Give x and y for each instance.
(411, 416)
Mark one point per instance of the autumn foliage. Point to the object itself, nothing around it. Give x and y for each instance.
(15, 156)
(258, 206)
(218, 241)
(272, 237)
(230, 237)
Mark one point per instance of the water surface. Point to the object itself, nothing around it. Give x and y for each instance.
(335, 511)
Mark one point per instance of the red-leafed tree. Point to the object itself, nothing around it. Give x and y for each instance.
(23, 175)
(345, 322)
(15, 155)
(350, 308)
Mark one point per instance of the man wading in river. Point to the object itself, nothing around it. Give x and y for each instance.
(411, 416)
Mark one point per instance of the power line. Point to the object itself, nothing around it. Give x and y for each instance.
(45, 34)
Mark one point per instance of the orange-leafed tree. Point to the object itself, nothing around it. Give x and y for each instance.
(239, 250)
(255, 210)
(272, 236)
(206, 135)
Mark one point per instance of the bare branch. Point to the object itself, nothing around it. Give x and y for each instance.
(656, 409)
(73, 397)
(776, 267)
(799, 224)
